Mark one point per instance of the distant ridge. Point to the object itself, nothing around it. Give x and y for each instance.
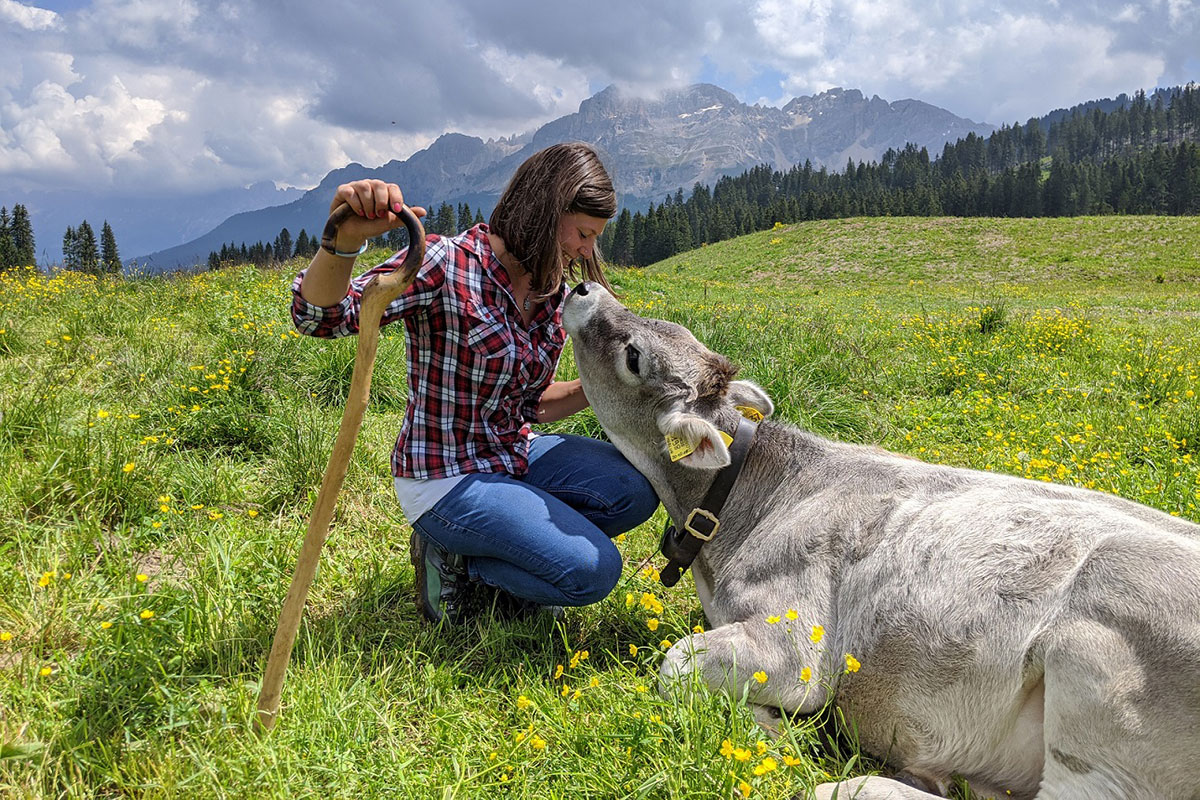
(651, 146)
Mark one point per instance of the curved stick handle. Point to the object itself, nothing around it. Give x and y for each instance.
(376, 296)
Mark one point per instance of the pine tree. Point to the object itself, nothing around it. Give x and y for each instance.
(302, 245)
(464, 217)
(7, 249)
(445, 222)
(87, 249)
(283, 245)
(621, 249)
(70, 250)
(25, 254)
(110, 259)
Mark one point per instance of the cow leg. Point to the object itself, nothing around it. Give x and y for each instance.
(1120, 720)
(727, 659)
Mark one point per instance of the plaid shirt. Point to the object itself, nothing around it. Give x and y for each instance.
(475, 372)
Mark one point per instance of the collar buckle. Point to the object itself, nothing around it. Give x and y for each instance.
(709, 517)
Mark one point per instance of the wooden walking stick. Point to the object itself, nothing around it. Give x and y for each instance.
(376, 296)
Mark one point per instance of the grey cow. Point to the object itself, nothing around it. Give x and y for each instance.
(1038, 640)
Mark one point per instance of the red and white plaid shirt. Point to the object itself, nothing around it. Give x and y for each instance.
(475, 372)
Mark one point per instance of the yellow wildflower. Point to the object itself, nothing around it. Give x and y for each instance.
(252, 513)
(774, 618)
(727, 748)
(142, 577)
(806, 675)
(146, 613)
(558, 671)
(697, 629)
(852, 664)
(665, 644)
(791, 613)
(105, 625)
(652, 623)
(744, 788)
(760, 747)
(742, 754)
(791, 761)
(524, 702)
(44, 671)
(129, 467)
(651, 603)
(633, 649)
(760, 676)
(818, 633)
(768, 764)
(537, 742)
(6, 637)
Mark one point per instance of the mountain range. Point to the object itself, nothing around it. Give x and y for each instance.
(652, 147)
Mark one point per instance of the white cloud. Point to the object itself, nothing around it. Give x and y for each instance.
(30, 18)
(190, 95)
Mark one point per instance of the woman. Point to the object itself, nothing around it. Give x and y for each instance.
(491, 504)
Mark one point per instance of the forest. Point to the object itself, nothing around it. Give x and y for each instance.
(1134, 155)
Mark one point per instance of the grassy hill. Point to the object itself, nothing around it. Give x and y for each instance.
(161, 440)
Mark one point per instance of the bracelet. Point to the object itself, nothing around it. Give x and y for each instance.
(339, 253)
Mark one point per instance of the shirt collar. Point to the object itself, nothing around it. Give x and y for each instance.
(476, 240)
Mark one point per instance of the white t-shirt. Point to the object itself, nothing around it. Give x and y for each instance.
(418, 495)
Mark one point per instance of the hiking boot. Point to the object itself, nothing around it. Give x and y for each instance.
(444, 587)
(507, 606)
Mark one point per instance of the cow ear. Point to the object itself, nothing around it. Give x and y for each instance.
(745, 394)
(693, 441)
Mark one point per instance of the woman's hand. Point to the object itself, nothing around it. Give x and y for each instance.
(376, 206)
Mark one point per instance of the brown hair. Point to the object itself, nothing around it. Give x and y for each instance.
(561, 179)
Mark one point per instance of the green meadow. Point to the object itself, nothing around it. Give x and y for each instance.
(162, 440)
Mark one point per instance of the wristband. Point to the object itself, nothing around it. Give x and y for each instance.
(340, 254)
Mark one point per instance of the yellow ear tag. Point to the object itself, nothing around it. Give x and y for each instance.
(752, 414)
(679, 448)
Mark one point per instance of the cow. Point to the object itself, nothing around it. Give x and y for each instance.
(1037, 640)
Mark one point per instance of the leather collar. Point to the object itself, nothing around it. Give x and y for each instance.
(682, 546)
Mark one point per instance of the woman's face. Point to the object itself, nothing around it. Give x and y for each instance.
(577, 234)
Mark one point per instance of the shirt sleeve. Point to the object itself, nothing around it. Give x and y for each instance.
(342, 319)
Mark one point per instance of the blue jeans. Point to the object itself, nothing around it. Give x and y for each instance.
(545, 536)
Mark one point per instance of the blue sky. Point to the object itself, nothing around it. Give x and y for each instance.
(168, 97)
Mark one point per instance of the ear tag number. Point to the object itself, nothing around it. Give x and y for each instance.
(678, 448)
(752, 414)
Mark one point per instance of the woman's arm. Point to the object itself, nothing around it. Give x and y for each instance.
(375, 204)
(560, 400)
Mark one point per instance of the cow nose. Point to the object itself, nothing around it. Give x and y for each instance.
(581, 289)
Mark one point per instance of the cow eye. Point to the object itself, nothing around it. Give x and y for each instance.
(633, 359)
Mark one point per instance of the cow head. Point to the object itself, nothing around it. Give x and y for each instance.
(661, 395)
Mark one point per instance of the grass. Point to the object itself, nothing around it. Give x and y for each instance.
(162, 438)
